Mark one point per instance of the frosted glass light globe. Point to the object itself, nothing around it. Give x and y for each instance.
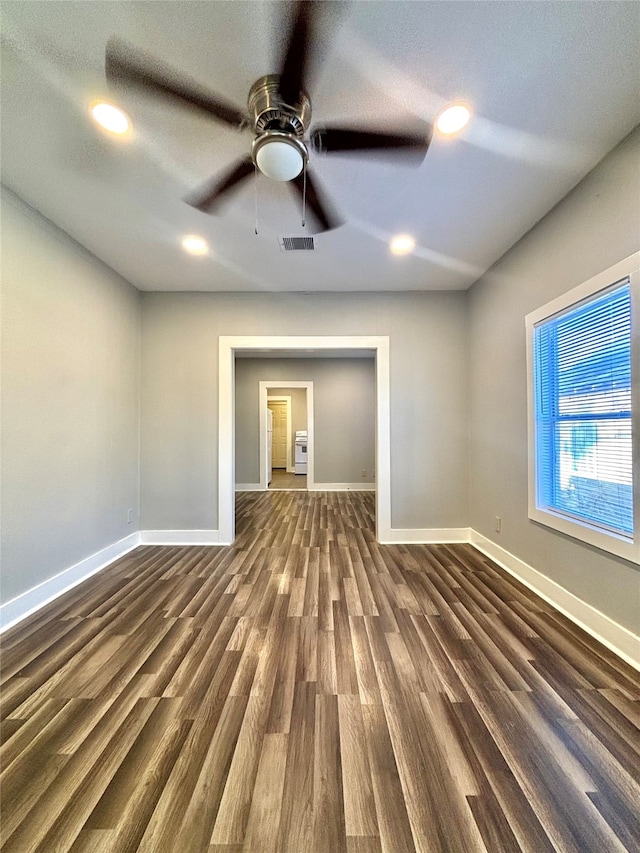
(279, 160)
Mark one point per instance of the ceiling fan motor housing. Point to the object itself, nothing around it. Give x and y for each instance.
(278, 149)
(269, 111)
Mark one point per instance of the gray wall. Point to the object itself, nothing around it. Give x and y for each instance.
(179, 409)
(593, 228)
(70, 383)
(344, 415)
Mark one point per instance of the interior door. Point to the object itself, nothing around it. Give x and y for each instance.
(279, 435)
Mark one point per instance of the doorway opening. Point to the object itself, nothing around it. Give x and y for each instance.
(286, 449)
(298, 470)
(273, 347)
(278, 444)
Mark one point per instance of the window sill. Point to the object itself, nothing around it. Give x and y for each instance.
(613, 543)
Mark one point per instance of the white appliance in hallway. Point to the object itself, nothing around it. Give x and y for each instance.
(269, 445)
(301, 452)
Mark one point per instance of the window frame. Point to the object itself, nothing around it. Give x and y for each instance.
(614, 543)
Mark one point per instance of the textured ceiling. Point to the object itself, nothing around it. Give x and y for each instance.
(554, 87)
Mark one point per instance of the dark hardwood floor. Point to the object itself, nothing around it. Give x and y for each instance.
(310, 691)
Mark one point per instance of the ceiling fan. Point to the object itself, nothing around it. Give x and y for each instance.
(278, 114)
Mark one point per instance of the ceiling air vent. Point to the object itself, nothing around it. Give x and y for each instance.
(296, 244)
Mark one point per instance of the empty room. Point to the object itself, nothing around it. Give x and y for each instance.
(320, 426)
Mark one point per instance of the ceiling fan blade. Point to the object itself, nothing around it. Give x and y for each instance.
(316, 202)
(296, 59)
(207, 197)
(346, 139)
(125, 65)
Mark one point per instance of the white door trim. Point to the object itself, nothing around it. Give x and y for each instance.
(264, 396)
(229, 345)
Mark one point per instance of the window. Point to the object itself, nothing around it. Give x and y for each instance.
(582, 380)
(581, 351)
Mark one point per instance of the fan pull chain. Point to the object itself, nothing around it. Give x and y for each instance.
(255, 184)
(304, 194)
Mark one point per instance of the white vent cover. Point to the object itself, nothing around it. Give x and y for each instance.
(296, 244)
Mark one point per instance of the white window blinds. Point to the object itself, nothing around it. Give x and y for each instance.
(582, 388)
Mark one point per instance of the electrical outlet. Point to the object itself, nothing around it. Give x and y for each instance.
(130, 515)
(498, 524)
(364, 472)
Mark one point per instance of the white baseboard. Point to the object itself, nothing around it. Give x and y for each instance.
(33, 599)
(342, 487)
(615, 637)
(181, 537)
(249, 487)
(425, 536)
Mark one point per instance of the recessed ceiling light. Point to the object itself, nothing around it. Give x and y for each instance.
(402, 244)
(195, 245)
(110, 117)
(453, 118)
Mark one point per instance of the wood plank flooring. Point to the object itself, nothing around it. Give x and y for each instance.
(281, 479)
(310, 691)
